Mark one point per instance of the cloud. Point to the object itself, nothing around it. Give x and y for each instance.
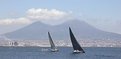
(52, 16)
(46, 14)
(13, 21)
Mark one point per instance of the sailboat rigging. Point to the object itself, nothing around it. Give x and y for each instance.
(53, 47)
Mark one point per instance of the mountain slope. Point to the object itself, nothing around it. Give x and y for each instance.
(81, 29)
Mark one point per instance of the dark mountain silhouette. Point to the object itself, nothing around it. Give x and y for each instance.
(81, 30)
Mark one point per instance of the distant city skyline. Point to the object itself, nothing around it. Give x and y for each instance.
(102, 14)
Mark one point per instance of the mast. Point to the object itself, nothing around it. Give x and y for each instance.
(53, 48)
(75, 44)
(51, 41)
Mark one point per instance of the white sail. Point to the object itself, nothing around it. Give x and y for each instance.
(53, 47)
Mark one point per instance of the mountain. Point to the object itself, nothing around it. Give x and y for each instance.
(81, 29)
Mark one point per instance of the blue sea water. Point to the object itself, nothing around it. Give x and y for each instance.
(63, 53)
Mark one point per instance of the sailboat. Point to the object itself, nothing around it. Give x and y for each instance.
(77, 48)
(53, 47)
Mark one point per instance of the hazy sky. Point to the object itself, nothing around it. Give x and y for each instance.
(103, 14)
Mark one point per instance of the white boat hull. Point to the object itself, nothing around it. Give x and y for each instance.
(77, 51)
(54, 50)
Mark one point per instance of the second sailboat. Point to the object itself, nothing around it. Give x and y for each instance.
(53, 47)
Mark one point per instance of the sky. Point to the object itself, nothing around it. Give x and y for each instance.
(102, 14)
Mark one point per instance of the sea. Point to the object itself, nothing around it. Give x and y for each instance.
(63, 53)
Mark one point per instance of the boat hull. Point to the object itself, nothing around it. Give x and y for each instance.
(77, 51)
(54, 50)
